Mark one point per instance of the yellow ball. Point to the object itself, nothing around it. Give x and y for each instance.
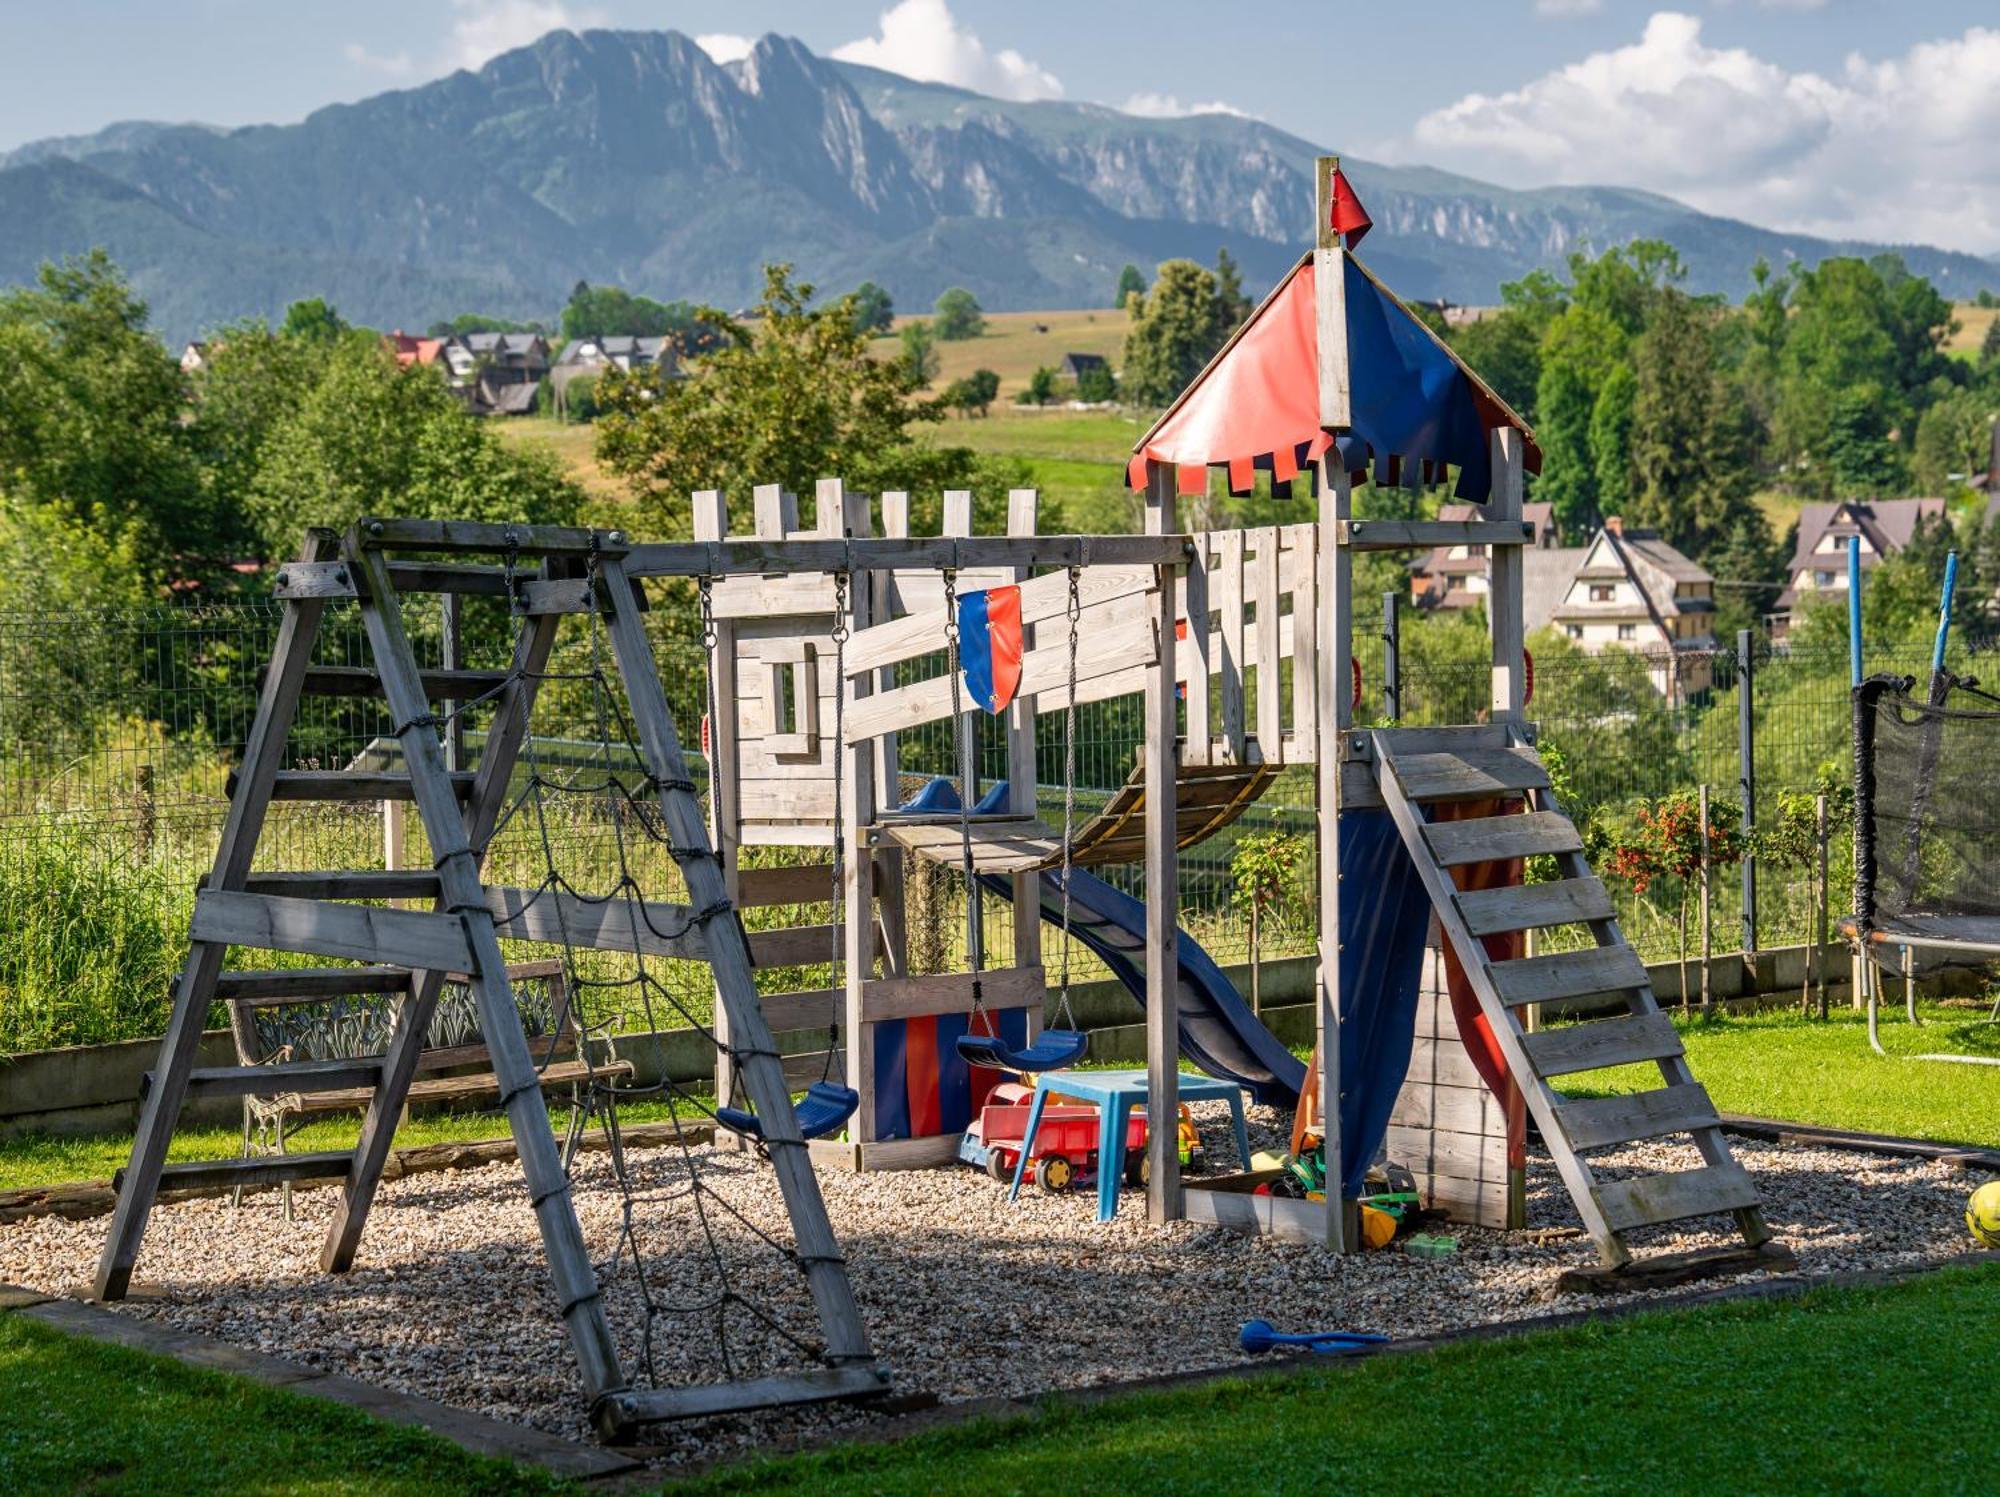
(1982, 1214)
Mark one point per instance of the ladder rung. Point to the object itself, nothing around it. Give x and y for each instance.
(1484, 839)
(351, 785)
(365, 883)
(1567, 901)
(1602, 1042)
(1598, 1122)
(307, 1077)
(1468, 774)
(1648, 1200)
(1569, 974)
(308, 984)
(262, 1169)
(705, 1400)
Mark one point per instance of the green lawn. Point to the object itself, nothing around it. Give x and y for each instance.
(35, 1161)
(1782, 1065)
(83, 1417)
(1748, 1396)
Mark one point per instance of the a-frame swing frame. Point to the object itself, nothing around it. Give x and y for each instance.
(579, 571)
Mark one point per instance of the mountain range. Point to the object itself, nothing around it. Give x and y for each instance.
(633, 158)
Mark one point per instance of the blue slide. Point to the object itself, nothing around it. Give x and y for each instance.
(1218, 1031)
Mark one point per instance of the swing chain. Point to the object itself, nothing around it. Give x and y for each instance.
(841, 633)
(954, 666)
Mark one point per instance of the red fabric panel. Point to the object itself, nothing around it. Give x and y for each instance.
(1003, 633)
(926, 1109)
(1191, 479)
(1284, 463)
(1135, 473)
(1349, 217)
(1242, 474)
(1472, 1025)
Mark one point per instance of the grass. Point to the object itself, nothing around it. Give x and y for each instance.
(1972, 324)
(575, 446)
(1746, 1396)
(83, 1417)
(1783, 1065)
(39, 1160)
(1013, 349)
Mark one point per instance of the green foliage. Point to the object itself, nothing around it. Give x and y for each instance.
(1130, 283)
(1266, 873)
(1690, 446)
(957, 316)
(1504, 349)
(1579, 352)
(919, 354)
(1954, 440)
(479, 322)
(313, 321)
(93, 436)
(372, 438)
(1176, 328)
(612, 312)
(874, 312)
(1611, 439)
(1989, 345)
(1097, 384)
(1041, 387)
(1231, 305)
(579, 401)
(972, 395)
(792, 397)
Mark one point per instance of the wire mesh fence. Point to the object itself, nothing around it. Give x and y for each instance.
(118, 731)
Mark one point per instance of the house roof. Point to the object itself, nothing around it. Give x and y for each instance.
(1546, 573)
(1079, 362)
(1256, 405)
(1888, 524)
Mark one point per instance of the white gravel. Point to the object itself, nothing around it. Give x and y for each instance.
(965, 1295)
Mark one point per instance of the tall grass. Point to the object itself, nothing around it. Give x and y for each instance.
(91, 937)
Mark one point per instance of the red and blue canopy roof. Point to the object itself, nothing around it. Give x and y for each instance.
(1256, 406)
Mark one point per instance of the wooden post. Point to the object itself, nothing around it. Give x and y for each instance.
(451, 656)
(1163, 1048)
(1707, 945)
(892, 892)
(1162, 503)
(1022, 507)
(1820, 911)
(1503, 591)
(958, 522)
(857, 812)
(1333, 713)
(1746, 754)
(711, 523)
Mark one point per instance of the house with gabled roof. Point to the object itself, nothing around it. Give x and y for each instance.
(1455, 576)
(1633, 591)
(1819, 561)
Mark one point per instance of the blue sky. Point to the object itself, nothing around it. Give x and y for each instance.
(1866, 116)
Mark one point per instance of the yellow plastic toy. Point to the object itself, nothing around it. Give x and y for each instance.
(1982, 1214)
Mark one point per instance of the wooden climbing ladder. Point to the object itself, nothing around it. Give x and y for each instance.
(1495, 765)
(562, 571)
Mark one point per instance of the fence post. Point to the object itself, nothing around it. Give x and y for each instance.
(1746, 757)
(1707, 943)
(1820, 903)
(1392, 662)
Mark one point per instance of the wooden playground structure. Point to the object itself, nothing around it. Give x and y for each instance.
(1238, 644)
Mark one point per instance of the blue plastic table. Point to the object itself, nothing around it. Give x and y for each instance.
(1116, 1093)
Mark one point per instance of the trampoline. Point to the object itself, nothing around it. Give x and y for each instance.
(1926, 833)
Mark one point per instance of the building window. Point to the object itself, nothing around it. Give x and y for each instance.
(1822, 579)
(1575, 630)
(1475, 550)
(1602, 592)
(1628, 631)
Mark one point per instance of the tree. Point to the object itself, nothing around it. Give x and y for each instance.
(94, 441)
(1611, 438)
(1989, 346)
(1175, 330)
(1579, 351)
(957, 316)
(255, 379)
(479, 322)
(1097, 384)
(789, 398)
(373, 438)
(1130, 283)
(1041, 387)
(873, 311)
(312, 321)
(919, 355)
(1954, 441)
(1231, 305)
(1268, 872)
(1748, 565)
(972, 395)
(1667, 840)
(613, 312)
(1690, 445)
(1504, 349)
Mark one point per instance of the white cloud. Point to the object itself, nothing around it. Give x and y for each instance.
(724, 47)
(922, 39)
(1563, 9)
(391, 64)
(1895, 149)
(1169, 106)
(483, 29)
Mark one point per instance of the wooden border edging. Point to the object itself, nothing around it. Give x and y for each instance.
(88, 1198)
(476, 1433)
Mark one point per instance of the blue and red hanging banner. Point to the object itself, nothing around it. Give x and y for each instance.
(989, 645)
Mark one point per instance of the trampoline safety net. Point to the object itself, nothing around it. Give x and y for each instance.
(1926, 811)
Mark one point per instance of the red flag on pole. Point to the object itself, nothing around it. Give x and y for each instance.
(1349, 217)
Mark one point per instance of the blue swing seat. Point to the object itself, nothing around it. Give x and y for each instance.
(1056, 1049)
(825, 1106)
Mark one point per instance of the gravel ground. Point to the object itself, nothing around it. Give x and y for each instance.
(965, 1295)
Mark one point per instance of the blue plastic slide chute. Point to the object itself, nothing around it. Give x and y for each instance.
(1382, 952)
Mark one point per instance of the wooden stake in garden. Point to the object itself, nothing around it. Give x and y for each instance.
(1706, 936)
